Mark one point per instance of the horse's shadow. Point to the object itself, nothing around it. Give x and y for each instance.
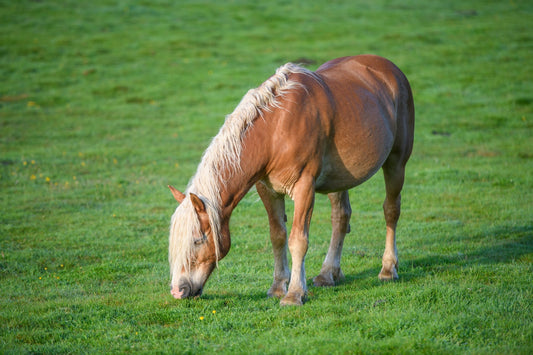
(503, 245)
(233, 295)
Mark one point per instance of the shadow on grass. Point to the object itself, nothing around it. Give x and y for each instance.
(502, 245)
(232, 296)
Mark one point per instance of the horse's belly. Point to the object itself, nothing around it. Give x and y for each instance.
(342, 170)
(340, 178)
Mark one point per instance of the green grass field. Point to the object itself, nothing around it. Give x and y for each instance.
(103, 103)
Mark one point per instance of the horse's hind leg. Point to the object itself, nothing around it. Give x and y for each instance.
(394, 172)
(275, 207)
(340, 220)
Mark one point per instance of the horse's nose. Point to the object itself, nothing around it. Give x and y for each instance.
(180, 292)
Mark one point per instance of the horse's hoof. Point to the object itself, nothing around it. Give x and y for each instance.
(292, 300)
(324, 280)
(388, 274)
(278, 289)
(276, 293)
(329, 278)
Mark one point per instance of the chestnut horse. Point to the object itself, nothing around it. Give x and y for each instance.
(298, 133)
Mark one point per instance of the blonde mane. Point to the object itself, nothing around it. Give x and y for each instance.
(221, 160)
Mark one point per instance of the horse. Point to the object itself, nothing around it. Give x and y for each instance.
(298, 133)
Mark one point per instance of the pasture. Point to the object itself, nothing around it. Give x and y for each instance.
(104, 103)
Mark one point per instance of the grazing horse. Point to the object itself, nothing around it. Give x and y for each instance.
(298, 133)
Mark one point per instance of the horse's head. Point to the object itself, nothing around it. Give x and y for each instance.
(193, 246)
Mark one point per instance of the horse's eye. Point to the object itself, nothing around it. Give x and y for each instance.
(200, 240)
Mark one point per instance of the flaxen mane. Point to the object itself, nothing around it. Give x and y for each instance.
(221, 160)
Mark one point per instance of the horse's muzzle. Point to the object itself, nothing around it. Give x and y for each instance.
(185, 290)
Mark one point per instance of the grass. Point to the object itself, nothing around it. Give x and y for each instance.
(104, 103)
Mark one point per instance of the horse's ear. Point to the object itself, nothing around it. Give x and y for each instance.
(198, 204)
(179, 196)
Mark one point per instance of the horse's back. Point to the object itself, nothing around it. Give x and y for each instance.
(357, 66)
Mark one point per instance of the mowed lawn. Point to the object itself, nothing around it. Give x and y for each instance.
(104, 103)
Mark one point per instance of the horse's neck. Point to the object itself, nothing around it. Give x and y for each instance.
(252, 163)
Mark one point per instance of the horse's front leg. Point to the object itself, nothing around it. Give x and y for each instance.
(275, 206)
(303, 195)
